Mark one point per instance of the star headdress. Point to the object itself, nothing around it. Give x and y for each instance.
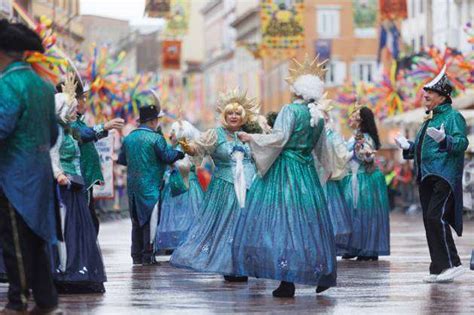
(250, 105)
(308, 67)
(69, 87)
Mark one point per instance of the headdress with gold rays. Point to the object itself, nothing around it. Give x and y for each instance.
(235, 96)
(69, 87)
(308, 67)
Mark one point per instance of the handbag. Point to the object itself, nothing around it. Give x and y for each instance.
(176, 182)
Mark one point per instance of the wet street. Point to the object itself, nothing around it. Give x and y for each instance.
(391, 286)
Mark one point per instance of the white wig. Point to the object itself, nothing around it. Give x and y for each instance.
(309, 87)
(184, 129)
(65, 108)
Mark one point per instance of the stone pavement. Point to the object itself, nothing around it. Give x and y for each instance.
(391, 286)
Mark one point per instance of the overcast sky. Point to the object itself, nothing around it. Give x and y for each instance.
(119, 9)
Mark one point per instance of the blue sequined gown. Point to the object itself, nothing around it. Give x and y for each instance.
(339, 211)
(370, 216)
(3, 272)
(286, 233)
(208, 246)
(178, 214)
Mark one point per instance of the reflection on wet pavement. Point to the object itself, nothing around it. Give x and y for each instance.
(390, 286)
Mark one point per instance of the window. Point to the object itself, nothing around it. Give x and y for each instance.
(413, 8)
(328, 21)
(413, 47)
(422, 4)
(422, 42)
(336, 73)
(363, 71)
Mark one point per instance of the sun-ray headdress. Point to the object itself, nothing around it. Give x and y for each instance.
(308, 67)
(235, 96)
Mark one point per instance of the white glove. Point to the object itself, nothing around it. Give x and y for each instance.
(402, 142)
(438, 135)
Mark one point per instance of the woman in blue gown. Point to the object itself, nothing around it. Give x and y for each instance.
(3, 272)
(339, 211)
(77, 261)
(286, 233)
(366, 192)
(179, 212)
(208, 246)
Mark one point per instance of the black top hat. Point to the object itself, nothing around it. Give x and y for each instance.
(149, 112)
(440, 84)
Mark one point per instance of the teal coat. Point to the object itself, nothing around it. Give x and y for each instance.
(445, 159)
(28, 129)
(146, 154)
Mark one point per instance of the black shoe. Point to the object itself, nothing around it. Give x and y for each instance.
(321, 288)
(285, 290)
(150, 262)
(348, 256)
(46, 311)
(137, 261)
(236, 278)
(11, 311)
(368, 258)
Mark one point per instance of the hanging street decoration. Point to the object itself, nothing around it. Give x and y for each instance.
(282, 27)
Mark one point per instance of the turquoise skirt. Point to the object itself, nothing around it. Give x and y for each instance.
(286, 232)
(208, 245)
(340, 215)
(178, 214)
(370, 217)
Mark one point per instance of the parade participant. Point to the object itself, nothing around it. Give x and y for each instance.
(366, 192)
(208, 247)
(438, 152)
(27, 131)
(78, 266)
(286, 233)
(90, 162)
(179, 210)
(146, 154)
(339, 211)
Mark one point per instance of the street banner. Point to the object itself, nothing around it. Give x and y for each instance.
(393, 9)
(171, 54)
(105, 148)
(282, 27)
(157, 8)
(365, 13)
(322, 48)
(178, 20)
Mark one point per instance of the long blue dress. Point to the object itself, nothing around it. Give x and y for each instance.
(84, 270)
(339, 211)
(287, 233)
(208, 246)
(370, 210)
(3, 272)
(178, 214)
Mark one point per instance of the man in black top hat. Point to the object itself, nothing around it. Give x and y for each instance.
(146, 154)
(439, 162)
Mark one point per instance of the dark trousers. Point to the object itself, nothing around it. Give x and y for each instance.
(26, 262)
(437, 202)
(142, 250)
(95, 218)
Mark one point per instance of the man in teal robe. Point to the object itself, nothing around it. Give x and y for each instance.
(28, 130)
(146, 154)
(438, 152)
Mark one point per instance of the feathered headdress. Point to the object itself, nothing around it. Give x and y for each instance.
(250, 105)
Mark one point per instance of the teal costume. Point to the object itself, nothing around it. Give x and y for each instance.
(146, 154)
(366, 194)
(286, 233)
(444, 160)
(208, 246)
(28, 129)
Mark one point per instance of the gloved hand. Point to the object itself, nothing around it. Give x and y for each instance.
(181, 155)
(438, 135)
(402, 142)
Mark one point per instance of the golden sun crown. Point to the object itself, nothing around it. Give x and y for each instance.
(250, 105)
(313, 67)
(69, 86)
